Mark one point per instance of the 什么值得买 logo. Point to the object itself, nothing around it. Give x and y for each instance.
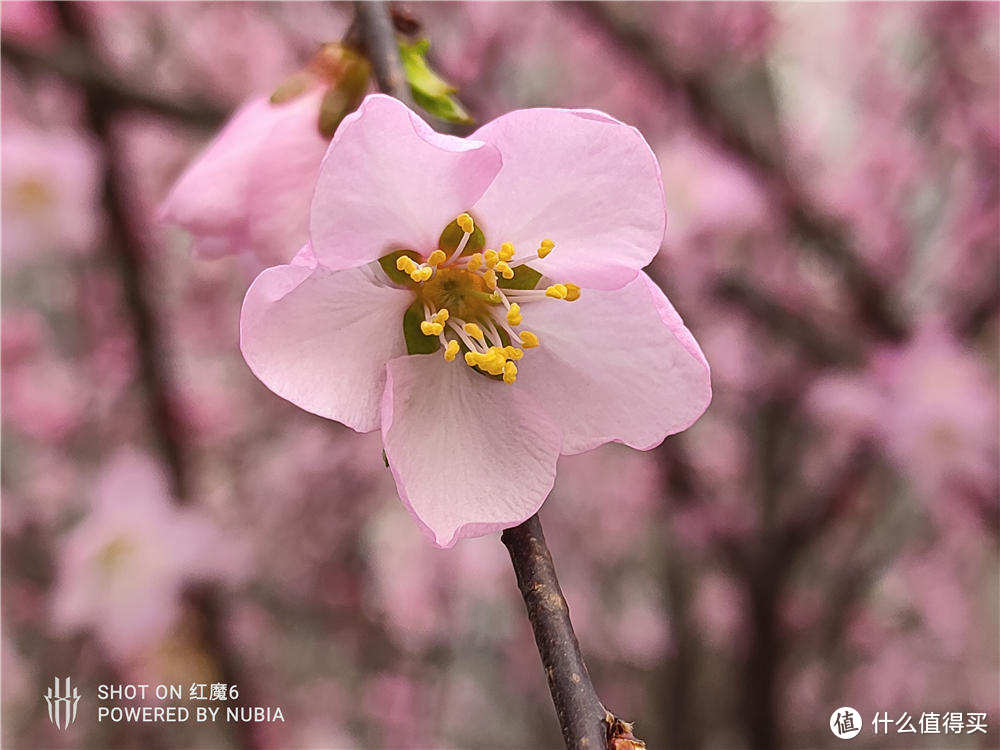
(62, 701)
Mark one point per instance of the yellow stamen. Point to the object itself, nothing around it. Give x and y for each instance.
(436, 258)
(431, 329)
(509, 373)
(474, 262)
(557, 291)
(491, 258)
(528, 339)
(421, 273)
(406, 263)
(466, 224)
(442, 315)
(514, 314)
(493, 362)
(491, 278)
(451, 351)
(513, 352)
(572, 292)
(506, 271)
(506, 251)
(545, 248)
(495, 298)
(475, 331)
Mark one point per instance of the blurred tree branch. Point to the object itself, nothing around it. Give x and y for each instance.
(73, 64)
(127, 245)
(825, 233)
(377, 38)
(817, 344)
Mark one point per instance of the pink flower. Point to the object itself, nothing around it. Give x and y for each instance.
(249, 191)
(594, 354)
(123, 569)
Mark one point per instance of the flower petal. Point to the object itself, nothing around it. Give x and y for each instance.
(388, 181)
(321, 338)
(470, 455)
(615, 366)
(582, 179)
(249, 190)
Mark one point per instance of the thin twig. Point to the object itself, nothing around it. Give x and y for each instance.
(582, 717)
(378, 41)
(73, 64)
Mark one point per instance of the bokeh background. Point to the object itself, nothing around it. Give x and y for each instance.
(825, 535)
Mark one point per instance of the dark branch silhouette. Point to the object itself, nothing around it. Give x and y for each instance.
(72, 63)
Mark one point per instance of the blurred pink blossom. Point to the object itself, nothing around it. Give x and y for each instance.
(51, 193)
(123, 569)
(249, 191)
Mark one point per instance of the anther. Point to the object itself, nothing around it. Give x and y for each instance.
(506, 251)
(474, 262)
(431, 329)
(556, 291)
(442, 315)
(491, 257)
(421, 273)
(451, 351)
(506, 271)
(406, 263)
(490, 276)
(509, 373)
(572, 292)
(465, 223)
(436, 258)
(475, 331)
(528, 339)
(514, 314)
(545, 248)
(512, 352)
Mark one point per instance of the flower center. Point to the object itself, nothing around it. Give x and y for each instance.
(458, 290)
(472, 301)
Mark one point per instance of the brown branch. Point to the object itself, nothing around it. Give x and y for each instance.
(72, 63)
(582, 717)
(825, 234)
(377, 39)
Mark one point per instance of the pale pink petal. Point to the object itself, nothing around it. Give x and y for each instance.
(584, 180)
(470, 455)
(389, 181)
(321, 338)
(615, 366)
(249, 191)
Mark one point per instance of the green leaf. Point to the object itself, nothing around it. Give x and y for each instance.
(416, 341)
(452, 235)
(388, 263)
(525, 277)
(430, 90)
